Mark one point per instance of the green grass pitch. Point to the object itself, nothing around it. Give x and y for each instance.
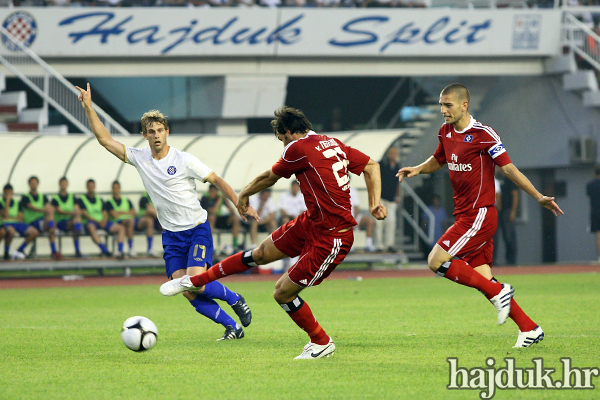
(393, 337)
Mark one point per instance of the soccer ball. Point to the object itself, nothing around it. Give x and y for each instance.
(139, 333)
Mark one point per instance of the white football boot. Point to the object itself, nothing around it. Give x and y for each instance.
(313, 351)
(176, 286)
(502, 302)
(526, 339)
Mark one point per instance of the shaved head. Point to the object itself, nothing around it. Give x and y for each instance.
(461, 92)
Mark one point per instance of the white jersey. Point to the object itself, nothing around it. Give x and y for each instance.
(171, 184)
(292, 205)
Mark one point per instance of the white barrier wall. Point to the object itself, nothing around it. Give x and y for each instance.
(238, 159)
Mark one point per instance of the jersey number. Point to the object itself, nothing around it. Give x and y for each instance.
(342, 164)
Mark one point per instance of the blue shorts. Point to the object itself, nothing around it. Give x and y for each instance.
(190, 248)
(38, 224)
(20, 227)
(64, 226)
(157, 226)
(106, 228)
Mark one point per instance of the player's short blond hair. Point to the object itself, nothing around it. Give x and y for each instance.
(153, 116)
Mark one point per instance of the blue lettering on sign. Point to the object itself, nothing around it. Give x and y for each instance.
(362, 32)
(286, 33)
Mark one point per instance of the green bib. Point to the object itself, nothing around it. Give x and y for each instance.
(95, 209)
(142, 211)
(67, 206)
(13, 211)
(124, 206)
(29, 215)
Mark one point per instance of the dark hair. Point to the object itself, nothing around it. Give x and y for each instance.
(116, 183)
(33, 177)
(295, 182)
(8, 186)
(212, 186)
(90, 181)
(64, 178)
(290, 119)
(459, 89)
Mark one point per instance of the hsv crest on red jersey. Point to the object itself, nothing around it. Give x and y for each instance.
(321, 165)
(471, 155)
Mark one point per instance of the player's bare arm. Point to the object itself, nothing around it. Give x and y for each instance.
(230, 194)
(372, 176)
(513, 173)
(261, 182)
(102, 135)
(429, 166)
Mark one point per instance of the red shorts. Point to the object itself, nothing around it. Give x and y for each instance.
(470, 237)
(319, 252)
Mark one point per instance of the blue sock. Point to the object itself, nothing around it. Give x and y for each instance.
(76, 244)
(149, 239)
(6, 249)
(215, 290)
(77, 226)
(22, 247)
(211, 310)
(50, 224)
(53, 247)
(130, 243)
(120, 247)
(103, 248)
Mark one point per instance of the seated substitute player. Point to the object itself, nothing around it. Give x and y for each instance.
(321, 236)
(67, 213)
(291, 203)
(96, 217)
(38, 213)
(464, 253)
(169, 176)
(213, 203)
(12, 221)
(121, 211)
(146, 221)
(265, 208)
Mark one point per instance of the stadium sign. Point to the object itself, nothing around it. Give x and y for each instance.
(143, 32)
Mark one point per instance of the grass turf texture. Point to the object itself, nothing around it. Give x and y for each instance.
(393, 337)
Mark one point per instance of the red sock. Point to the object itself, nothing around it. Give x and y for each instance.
(522, 320)
(229, 266)
(462, 273)
(305, 319)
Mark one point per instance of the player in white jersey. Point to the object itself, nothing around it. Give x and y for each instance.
(169, 178)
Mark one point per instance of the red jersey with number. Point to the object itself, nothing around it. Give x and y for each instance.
(471, 155)
(321, 165)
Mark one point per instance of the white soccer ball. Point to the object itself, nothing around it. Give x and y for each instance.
(139, 333)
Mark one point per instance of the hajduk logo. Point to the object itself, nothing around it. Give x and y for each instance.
(22, 26)
(171, 170)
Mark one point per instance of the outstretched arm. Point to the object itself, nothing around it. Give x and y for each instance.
(261, 182)
(522, 182)
(229, 193)
(102, 135)
(372, 176)
(429, 166)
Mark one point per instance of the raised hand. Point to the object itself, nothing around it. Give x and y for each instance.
(85, 96)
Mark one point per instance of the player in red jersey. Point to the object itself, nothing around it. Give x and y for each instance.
(320, 237)
(471, 150)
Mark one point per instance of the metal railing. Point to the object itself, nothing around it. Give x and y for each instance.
(51, 86)
(415, 220)
(581, 39)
